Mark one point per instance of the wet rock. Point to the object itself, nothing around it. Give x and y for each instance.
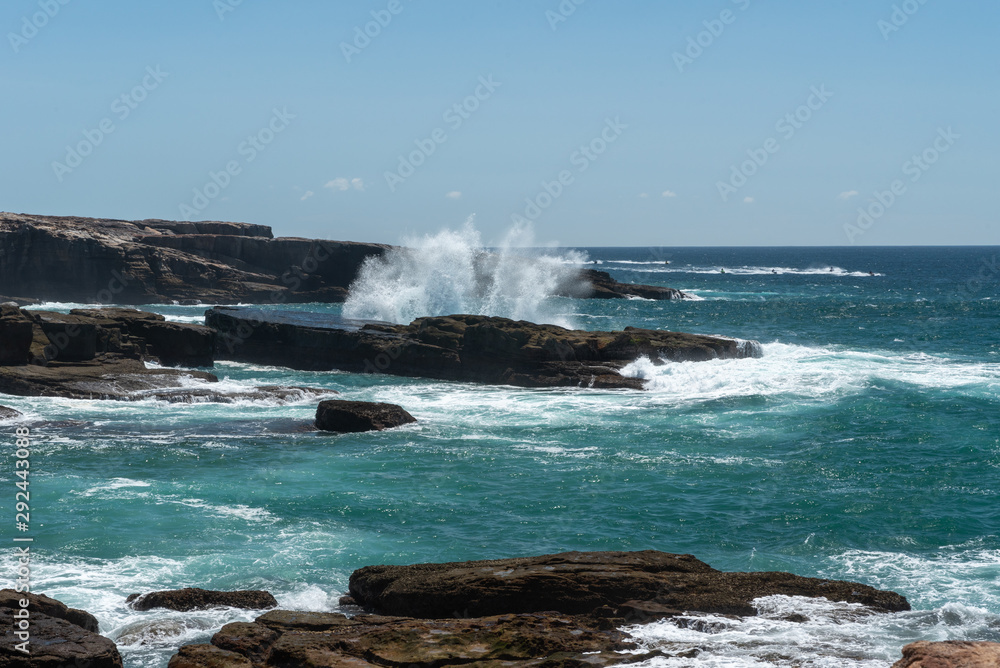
(207, 656)
(10, 599)
(358, 416)
(460, 347)
(283, 638)
(582, 582)
(602, 286)
(184, 600)
(55, 643)
(8, 413)
(950, 654)
(157, 631)
(15, 335)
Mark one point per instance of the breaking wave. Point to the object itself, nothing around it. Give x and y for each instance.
(451, 272)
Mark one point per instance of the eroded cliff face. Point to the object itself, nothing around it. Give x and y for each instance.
(154, 261)
(98, 261)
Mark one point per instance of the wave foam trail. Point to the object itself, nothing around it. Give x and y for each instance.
(450, 272)
(812, 373)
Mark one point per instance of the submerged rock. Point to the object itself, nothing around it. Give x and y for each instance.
(950, 654)
(460, 347)
(358, 416)
(184, 600)
(606, 583)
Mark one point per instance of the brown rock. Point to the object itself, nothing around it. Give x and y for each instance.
(55, 643)
(583, 582)
(358, 416)
(313, 640)
(950, 654)
(10, 599)
(184, 600)
(207, 656)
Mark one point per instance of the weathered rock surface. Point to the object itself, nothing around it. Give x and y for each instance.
(315, 640)
(950, 654)
(100, 354)
(584, 582)
(155, 261)
(15, 335)
(602, 286)
(10, 599)
(357, 416)
(64, 258)
(191, 598)
(8, 413)
(459, 347)
(129, 380)
(60, 637)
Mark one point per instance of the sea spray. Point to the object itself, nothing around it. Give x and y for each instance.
(451, 272)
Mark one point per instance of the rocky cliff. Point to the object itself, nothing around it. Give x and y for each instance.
(97, 261)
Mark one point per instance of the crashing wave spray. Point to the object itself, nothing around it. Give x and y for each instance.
(450, 272)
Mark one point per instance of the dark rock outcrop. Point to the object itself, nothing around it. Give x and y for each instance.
(314, 640)
(129, 380)
(154, 261)
(602, 286)
(8, 413)
(10, 599)
(459, 347)
(184, 600)
(15, 335)
(584, 582)
(98, 261)
(172, 343)
(358, 416)
(950, 654)
(60, 637)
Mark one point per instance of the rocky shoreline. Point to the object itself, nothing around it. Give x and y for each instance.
(566, 610)
(470, 348)
(102, 261)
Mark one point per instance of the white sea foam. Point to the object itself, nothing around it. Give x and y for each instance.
(744, 270)
(812, 373)
(450, 272)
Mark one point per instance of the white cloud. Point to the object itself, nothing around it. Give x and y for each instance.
(848, 194)
(454, 194)
(748, 200)
(669, 193)
(644, 195)
(342, 184)
(306, 196)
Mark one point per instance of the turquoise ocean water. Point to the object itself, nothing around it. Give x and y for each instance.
(864, 445)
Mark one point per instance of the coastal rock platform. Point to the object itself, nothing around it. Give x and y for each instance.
(470, 348)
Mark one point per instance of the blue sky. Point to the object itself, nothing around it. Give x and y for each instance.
(643, 129)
